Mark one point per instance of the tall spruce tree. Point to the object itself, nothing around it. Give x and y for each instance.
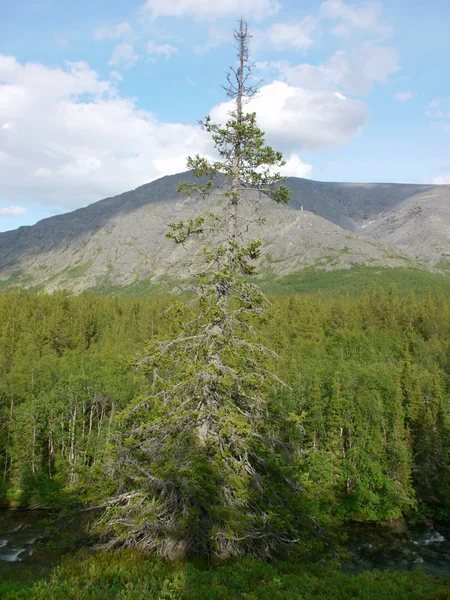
(197, 468)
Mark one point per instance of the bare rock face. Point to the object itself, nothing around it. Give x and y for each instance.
(413, 218)
(351, 205)
(121, 240)
(419, 226)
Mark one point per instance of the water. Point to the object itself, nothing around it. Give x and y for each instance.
(20, 532)
(395, 546)
(398, 547)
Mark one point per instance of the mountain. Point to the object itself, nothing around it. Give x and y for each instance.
(420, 226)
(121, 240)
(351, 205)
(414, 218)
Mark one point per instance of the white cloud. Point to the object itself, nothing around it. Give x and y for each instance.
(206, 9)
(295, 167)
(357, 72)
(442, 180)
(113, 32)
(12, 211)
(403, 96)
(303, 75)
(115, 77)
(364, 17)
(123, 55)
(287, 35)
(165, 50)
(434, 103)
(439, 109)
(72, 139)
(296, 119)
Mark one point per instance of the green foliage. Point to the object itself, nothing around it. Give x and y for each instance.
(63, 375)
(352, 281)
(181, 231)
(355, 281)
(127, 575)
(138, 289)
(197, 463)
(376, 366)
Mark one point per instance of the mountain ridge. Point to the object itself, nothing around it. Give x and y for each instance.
(327, 225)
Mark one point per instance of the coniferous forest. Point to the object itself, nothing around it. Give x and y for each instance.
(365, 396)
(364, 411)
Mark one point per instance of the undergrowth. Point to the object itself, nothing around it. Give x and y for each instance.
(131, 576)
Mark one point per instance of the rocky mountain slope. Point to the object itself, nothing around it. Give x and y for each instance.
(420, 226)
(352, 205)
(121, 240)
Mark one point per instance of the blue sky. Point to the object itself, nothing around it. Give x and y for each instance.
(98, 97)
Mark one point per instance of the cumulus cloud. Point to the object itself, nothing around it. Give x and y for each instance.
(67, 137)
(303, 75)
(403, 96)
(71, 139)
(12, 211)
(113, 32)
(296, 119)
(350, 17)
(123, 55)
(295, 167)
(280, 36)
(205, 9)
(154, 49)
(356, 72)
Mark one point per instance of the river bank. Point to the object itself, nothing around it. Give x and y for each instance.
(394, 555)
(24, 538)
(129, 575)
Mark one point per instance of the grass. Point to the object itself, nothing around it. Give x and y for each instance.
(131, 576)
(132, 290)
(16, 278)
(76, 271)
(444, 263)
(355, 281)
(349, 281)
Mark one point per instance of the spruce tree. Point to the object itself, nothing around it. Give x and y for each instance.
(197, 468)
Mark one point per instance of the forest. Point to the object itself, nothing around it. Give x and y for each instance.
(364, 403)
(366, 383)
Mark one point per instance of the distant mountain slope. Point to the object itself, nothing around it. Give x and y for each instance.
(420, 226)
(121, 240)
(351, 205)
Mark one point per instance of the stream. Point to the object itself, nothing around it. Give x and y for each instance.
(398, 546)
(20, 531)
(23, 544)
(395, 546)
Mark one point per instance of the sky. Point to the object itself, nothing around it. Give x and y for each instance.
(98, 97)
